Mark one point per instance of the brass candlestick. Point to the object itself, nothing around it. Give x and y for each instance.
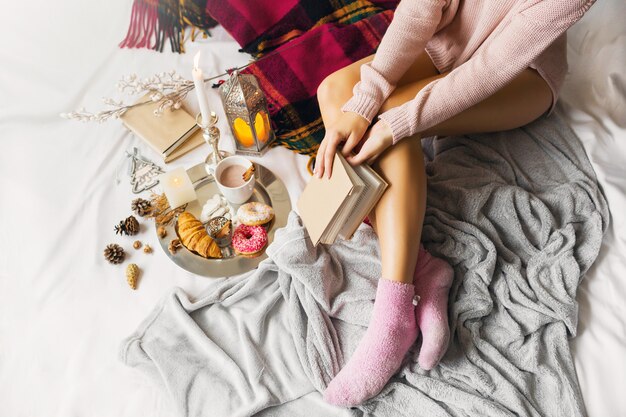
(211, 135)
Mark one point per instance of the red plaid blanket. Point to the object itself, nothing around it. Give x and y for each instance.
(310, 39)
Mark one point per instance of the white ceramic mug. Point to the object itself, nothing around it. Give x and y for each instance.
(240, 194)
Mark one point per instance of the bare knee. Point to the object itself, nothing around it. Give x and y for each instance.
(336, 88)
(535, 96)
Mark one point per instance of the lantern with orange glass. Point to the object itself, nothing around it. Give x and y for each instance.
(246, 110)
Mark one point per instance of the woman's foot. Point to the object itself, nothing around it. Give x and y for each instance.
(433, 278)
(391, 332)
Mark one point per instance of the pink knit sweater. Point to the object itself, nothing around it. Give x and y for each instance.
(484, 43)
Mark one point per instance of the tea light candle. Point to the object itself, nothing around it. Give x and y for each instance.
(198, 81)
(177, 187)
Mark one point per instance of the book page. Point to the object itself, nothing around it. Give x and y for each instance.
(372, 191)
(345, 211)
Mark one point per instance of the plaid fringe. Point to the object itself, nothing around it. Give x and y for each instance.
(154, 21)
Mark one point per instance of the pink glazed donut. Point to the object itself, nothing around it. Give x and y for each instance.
(249, 240)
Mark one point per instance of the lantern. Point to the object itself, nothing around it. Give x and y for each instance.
(246, 110)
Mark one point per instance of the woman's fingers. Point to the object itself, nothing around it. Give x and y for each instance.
(319, 159)
(368, 153)
(359, 158)
(364, 152)
(349, 126)
(373, 159)
(329, 152)
(352, 141)
(376, 140)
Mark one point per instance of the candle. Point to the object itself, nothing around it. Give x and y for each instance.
(198, 80)
(177, 187)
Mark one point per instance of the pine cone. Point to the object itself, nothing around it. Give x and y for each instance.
(141, 207)
(129, 227)
(132, 225)
(114, 253)
(132, 273)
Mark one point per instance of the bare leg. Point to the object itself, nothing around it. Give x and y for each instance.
(405, 198)
(398, 219)
(399, 215)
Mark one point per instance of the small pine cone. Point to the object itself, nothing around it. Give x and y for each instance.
(114, 253)
(120, 229)
(141, 207)
(131, 225)
(132, 273)
(147, 249)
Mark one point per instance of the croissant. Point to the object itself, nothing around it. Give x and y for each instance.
(194, 236)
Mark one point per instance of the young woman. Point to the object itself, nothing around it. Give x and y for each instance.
(444, 67)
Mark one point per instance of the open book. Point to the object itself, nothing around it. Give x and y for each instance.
(172, 134)
(335, 207)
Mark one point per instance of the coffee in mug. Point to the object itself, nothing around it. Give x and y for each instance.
(232, 176)
(229, 178)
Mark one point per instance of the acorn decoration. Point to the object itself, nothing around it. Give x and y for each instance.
(141, 207)
(132, 273)
(129, 227)
(114, 253)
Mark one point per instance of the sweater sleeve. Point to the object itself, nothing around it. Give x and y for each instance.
(499, 60)
(413, 24)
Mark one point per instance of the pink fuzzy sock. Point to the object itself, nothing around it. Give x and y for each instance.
(391, 332)
(433, 278)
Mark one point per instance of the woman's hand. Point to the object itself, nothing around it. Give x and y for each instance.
(349, 128)
(376, 140)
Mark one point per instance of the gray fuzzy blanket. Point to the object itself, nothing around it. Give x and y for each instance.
(520, 217)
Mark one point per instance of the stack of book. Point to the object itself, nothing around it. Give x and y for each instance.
(171, 135)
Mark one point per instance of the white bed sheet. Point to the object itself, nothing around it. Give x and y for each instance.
(64, 310)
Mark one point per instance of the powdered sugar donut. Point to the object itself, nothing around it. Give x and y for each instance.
(255, 213)
(249, 240)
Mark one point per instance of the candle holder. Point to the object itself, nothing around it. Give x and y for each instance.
(211, 135)
(247, 114)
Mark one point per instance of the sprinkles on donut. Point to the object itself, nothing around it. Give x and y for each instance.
(249, 240)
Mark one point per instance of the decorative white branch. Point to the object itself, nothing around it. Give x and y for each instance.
(169, 89)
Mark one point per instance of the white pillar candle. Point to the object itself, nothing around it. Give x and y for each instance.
(177, 187)
(198, 80)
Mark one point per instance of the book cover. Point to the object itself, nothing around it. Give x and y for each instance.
(171, 134)
(321, 200)
(335, 207)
